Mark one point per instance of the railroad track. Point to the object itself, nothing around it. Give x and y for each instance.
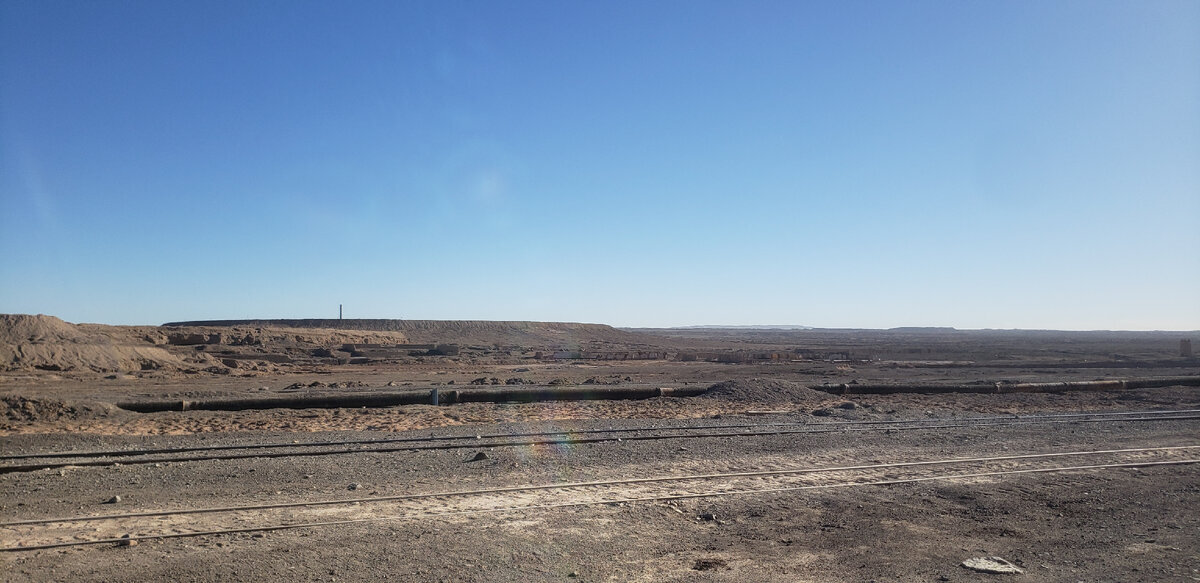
(55, 532)
(34, 461)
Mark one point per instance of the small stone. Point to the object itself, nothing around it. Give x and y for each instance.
(127, 541)
(113, 500)
(478, 457)
(353, 486)
(573, 574)
(708, 516)
(709, 564)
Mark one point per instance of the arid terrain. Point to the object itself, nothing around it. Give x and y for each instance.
(388, 450)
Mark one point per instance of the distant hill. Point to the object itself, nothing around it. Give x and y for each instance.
(547, 334)
(727, 327)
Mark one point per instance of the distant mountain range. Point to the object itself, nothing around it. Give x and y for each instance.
(768, 327)
(798, 327)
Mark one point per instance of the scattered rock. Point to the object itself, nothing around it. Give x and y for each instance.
(993, 565)
(848, 405)
(709, 564)
(354, 486)
(113, 500)
(478, 457)
(708, 516)
(127, 541)
(822, 412)
(21, 409)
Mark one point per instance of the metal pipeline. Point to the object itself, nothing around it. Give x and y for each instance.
(994, 388)
(435, 396)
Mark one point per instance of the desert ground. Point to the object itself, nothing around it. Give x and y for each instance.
(313, 450)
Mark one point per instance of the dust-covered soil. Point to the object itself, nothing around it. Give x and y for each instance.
(63, 383)
(1092, 525)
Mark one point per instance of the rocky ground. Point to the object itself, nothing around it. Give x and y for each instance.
(1099, 525)
(1104, 524)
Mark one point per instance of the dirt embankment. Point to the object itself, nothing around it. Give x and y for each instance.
(39, 342)
(464, 332)
(48, 343)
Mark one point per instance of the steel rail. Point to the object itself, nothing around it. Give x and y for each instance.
(889, 482)
(569, 432)
(566, 441)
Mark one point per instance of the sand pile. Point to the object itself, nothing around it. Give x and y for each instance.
(757, 390)
(48, 343)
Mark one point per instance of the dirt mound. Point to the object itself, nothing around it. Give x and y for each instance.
(48, 343)
(758, 390)
(27, 329)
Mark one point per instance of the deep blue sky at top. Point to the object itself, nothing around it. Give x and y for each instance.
(852, 164)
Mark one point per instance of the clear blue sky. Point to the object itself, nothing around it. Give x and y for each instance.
(840, 164)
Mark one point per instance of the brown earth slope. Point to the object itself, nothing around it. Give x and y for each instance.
(552, 335)
(48, 343)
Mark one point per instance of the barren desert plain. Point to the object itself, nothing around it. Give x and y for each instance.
(402, 450)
